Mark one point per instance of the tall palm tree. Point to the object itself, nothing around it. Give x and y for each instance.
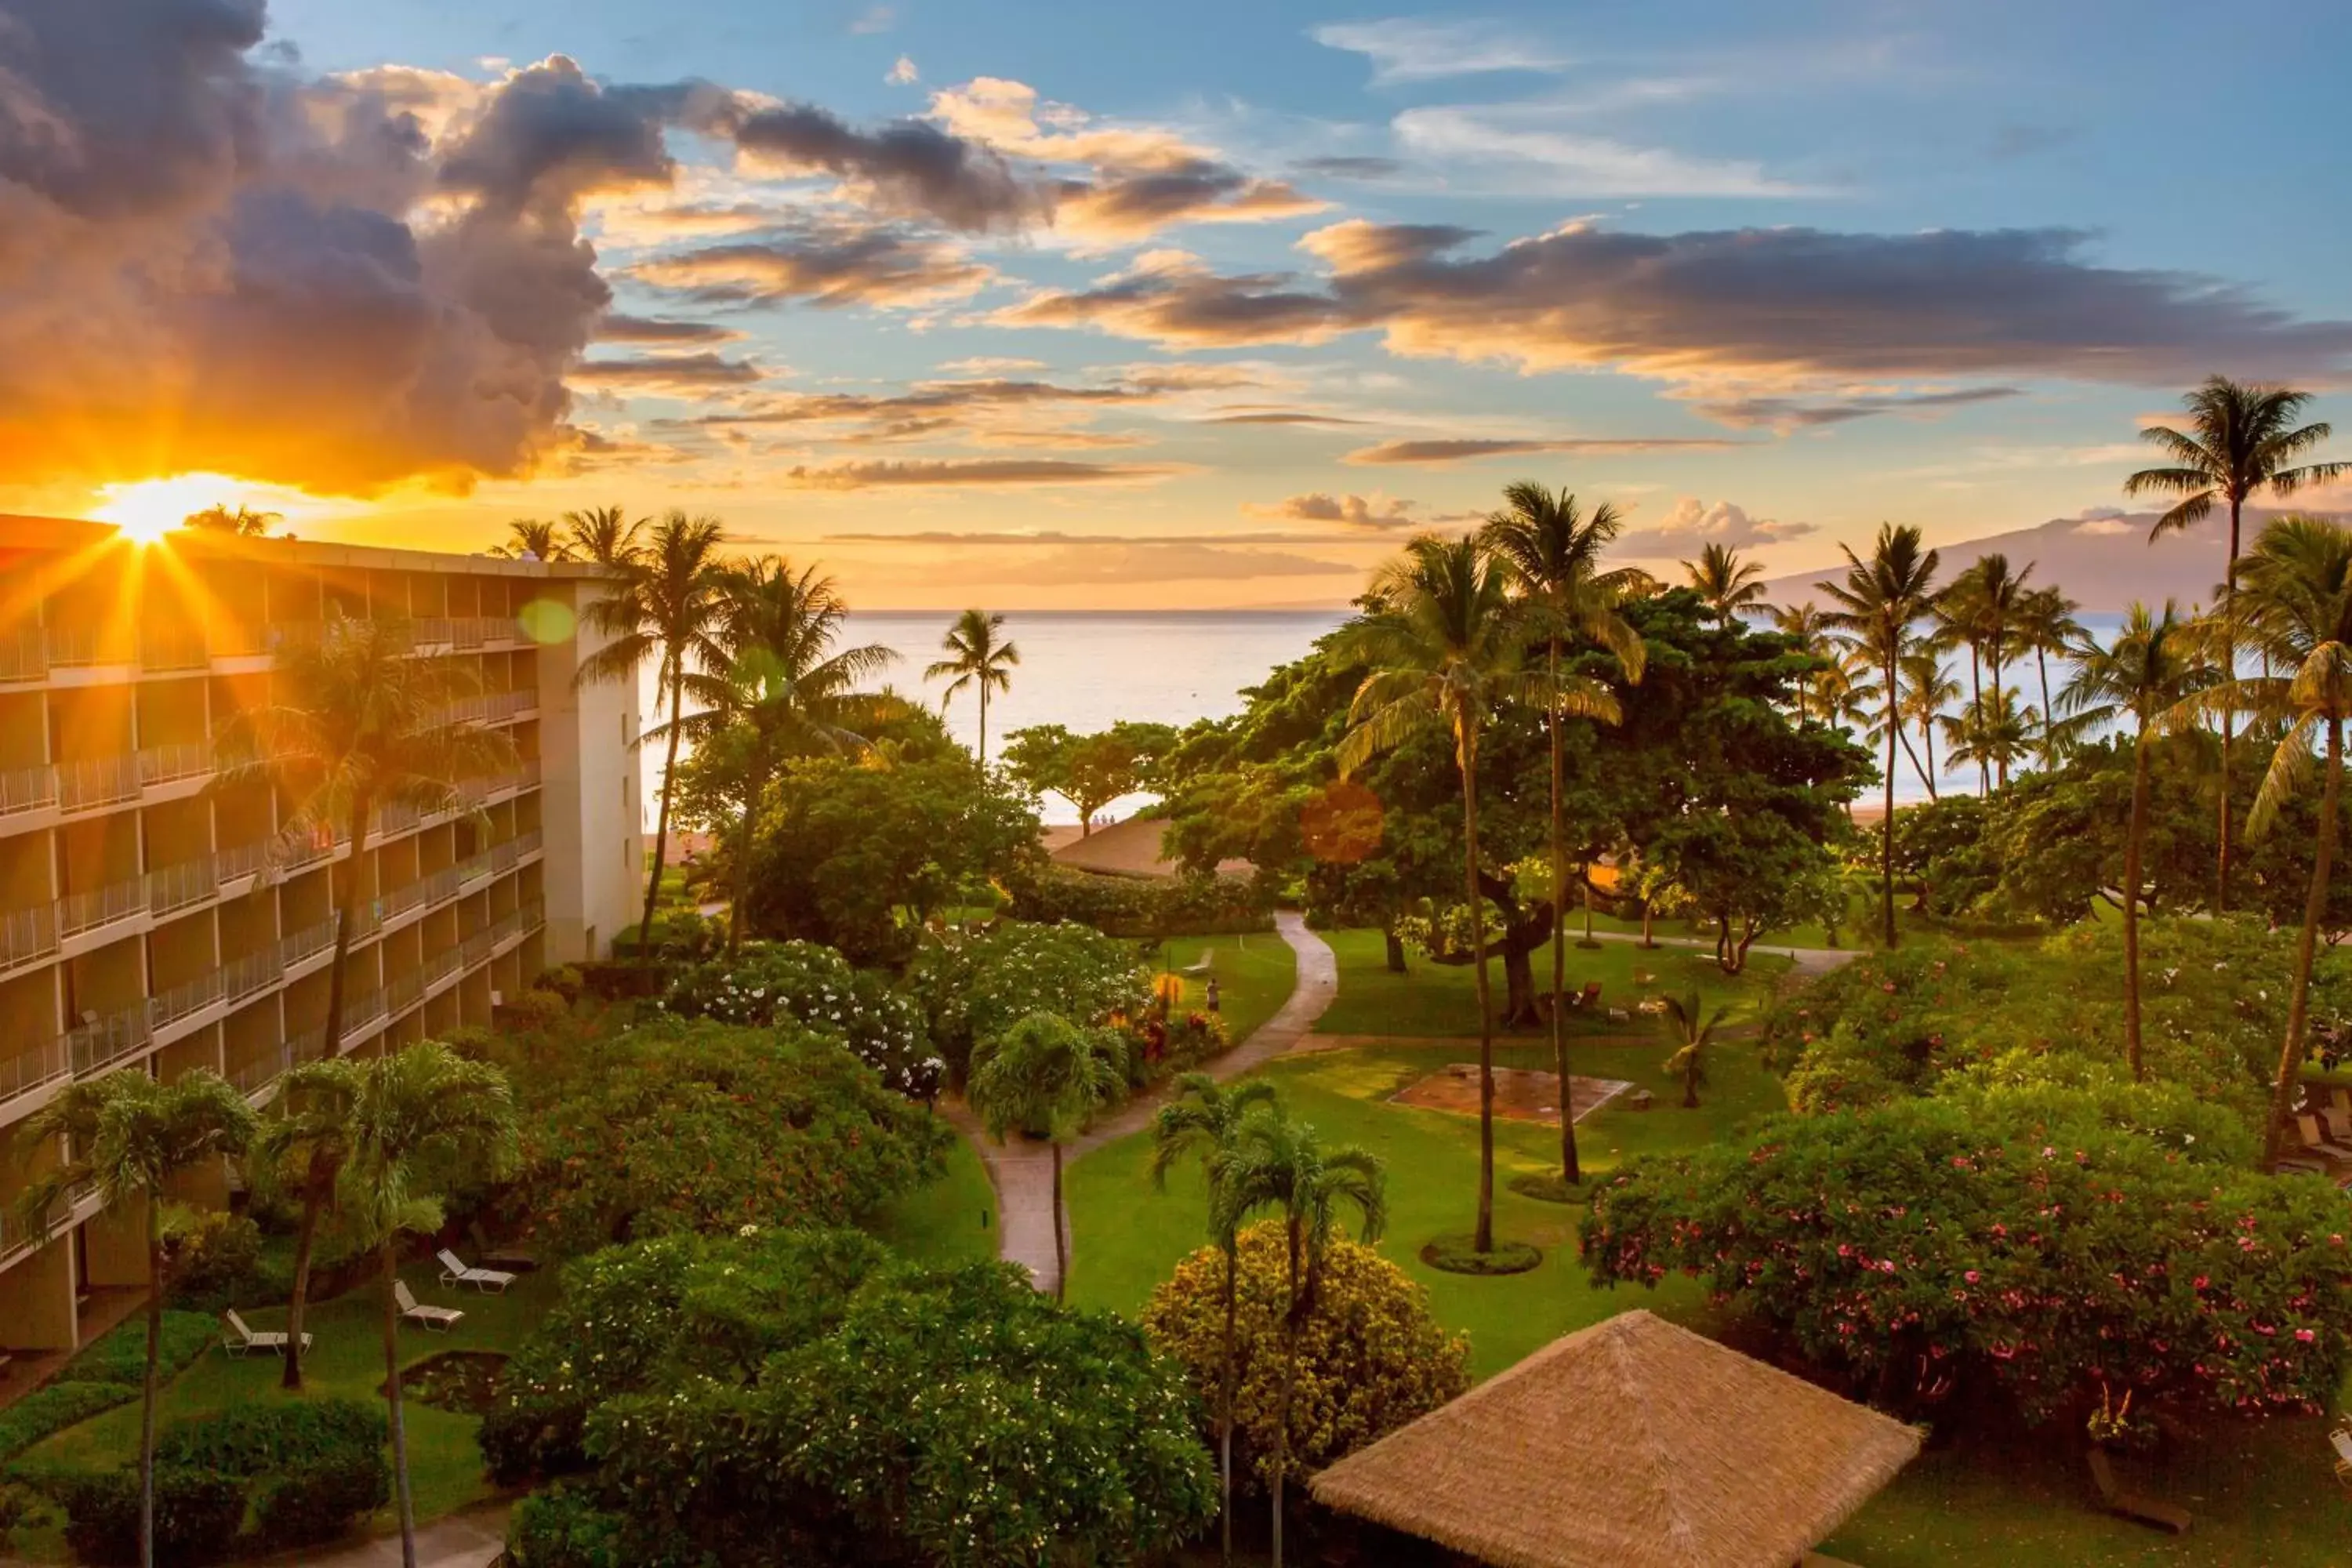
(2002, 594)
(980, 656)
(780, 687)
(420, 1109)
(1202, 1120)
(1992, 734)
(126, 1136)
(1553, 553)
(667, 608)
(2241, 439)
(1927, 692)
(2294, 607)
(2153, 664)
(1960, 617)
(1878, 603)
(1810, 629)
(1443, 644)
(242, 521)
(361, 724)
(1273, 1163)
(2046, 624)
(532, 538)
(1691, 1029)
(304, 1142)
(1728, 584)
(1046, 1074)
(604, 534)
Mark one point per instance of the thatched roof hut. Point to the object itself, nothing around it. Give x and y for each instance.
(1631, 1444)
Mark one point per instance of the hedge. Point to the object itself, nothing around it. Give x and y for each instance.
(53, 1409)
(197, 1515)
(119, 1355)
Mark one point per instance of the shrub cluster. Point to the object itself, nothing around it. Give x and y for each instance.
(974, 987)
(816, 986)
(55, 1408)
(312, 1468)
(197, 1515)
(1144, 906)
(220, 1264)
(119, 1355)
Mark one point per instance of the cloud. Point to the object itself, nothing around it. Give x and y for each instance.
(1526, 140)
(1171, 563)
(1283, 417)
(1343, 166)
(1173, 298)
(1031, 539)
(908, 168)
(1436, 453)
(1132, 206)
(904, 73)
(2011, 142)
(1410, 50)
(622, 329)
(1354, 510)
(875, 19)
(958, 472)
(1786, 414)
(667, 372)
(1693, 523)
(825, 265)
(991, 365)
(992, 407)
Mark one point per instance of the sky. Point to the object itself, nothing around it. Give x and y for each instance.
(1062, 305)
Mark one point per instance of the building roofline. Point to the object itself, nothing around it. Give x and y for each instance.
(65, 535)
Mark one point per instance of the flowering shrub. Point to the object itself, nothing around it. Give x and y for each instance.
(974, 987)
(1189, 1039)
(2014, 1236)
(815, 985)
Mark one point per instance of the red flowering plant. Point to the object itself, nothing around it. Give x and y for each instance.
(2021, 1237)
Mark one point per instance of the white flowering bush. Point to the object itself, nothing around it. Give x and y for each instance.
(813, 984)
(976, 986)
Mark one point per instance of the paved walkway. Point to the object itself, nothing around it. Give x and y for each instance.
(473, 1539)
(1023, 1171)
(1809, 959)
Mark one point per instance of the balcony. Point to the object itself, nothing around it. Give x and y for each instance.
(99, 1043)
(165, 650)
(27, 936)
(27, 789)
(94, 782)
(24, 654)
(84, 647)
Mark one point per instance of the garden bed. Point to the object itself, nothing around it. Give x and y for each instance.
(463, 1382)
(1520, 1094)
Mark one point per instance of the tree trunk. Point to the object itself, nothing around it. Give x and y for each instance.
(1061, 1240)
(983, 721)
(1690, 1083)
(1226, 1379)
(2314, 909)
(1926, 771)
(1289, 1381)
(2048, 736)
(1394, 944)
(1569, 1173)
(739, 882)
(1467, 754)
(1886, 826)
(1649, 916)
(2229, 718)
(344, 911)
(151, 1388)
(661, 818)
(387, 1252)
(316, 1189)
(2135, 837)
(1977, 708)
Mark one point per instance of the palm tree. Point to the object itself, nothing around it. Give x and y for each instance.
(1810, 630)
(243, 522)
(2241, 439)
(781, 688)
(1992, 734)
(419, 1109)
(360, 725)
(2046, 624)
(666, 607)
(126, 1136)
(1927, 692)
(2154, 664)
(1442, 644)
(604, 534)
(2001, 596)
(1878, 604)
(1961, 618)
(529, 538)
(1553, 554)
(1203, 1120)
(1048, 1075)
(1728, 584)
(2294, 607)
(1273, 1163)
(1691, 1029)
(979, 658)
(304, 1142)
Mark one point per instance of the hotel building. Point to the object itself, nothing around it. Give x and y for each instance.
(153, 920)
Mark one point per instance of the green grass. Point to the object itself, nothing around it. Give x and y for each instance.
(1254, 976)
(947, 1221)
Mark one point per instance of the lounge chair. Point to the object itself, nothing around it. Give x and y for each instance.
(455, 1272)
(240, 1338)
(2135, 1505)
(440, 1319)
(514, 1260)
(2339, 1104)
(2316, 1140)
(2342, 1438)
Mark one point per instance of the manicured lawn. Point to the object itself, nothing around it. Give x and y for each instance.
(1255, 975)
(949, 1222)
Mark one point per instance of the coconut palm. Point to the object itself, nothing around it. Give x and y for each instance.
(2294, 607)
(1691, 1029)
(604, 534)
(1960, 617)
(2241, 439)
(978, 657)
(2153, 664)
(666, 607)
(780, 687)
(243, 522)
(1927, 692)
(1728, 584)
(360, 725)
(1273, 1163)
(1810, 630)
(420, 1109)
(1553, 553)
(1878, 603)
(2046, 624)
(2001, 593)
(303, 1144)
(1442, 644)
(1049, 1076)
(1202, 1120)
(532, 539)
(126, 1137)
(1992, 734)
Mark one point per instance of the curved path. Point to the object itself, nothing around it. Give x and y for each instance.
(1023, 1171)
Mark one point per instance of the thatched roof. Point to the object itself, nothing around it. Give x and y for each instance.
(1128, 848)
(1631, 1444)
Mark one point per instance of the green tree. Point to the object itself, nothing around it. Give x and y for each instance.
(1691, 1029)
(1992, 733)
(1088, 771)
(418, 1107)
(1048, 1075)
(126, 1137)
(1728, 584)
(242, 521)
(980, 656)
(1443, 645)
(1553, 553)
(2153, 664)
(303, 1142)
(1809, 628)
(1927, 692)
(1273, 1163)
(667, 608)
(1201, 1122)
(2046, 624)
(2239, 439)
(1878, 604)
(361, 724)
(534, 538)
(605, 535)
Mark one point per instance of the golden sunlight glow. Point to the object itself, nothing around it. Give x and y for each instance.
(147, 510)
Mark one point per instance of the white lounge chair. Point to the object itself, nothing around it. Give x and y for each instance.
(2342, 1438)
(440, 1319)
(455, 1272)
(240, 1339)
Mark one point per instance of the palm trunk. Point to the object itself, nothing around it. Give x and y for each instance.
(1226, 1379)
(387, 1253)
(2132, 846)
(1567, 1167)
(152, 1386)
(1484, 1239)
(1976, 713)
(2314, 909)
(1924, 770)
(983, 726)
(315, 1192)
(344, 913)
(2001, 763)
(2229, 719)
(1886, 826)
(740, 879)
(661, 824)
(1061, 1240)
(2048, 736)
(1289, 1381)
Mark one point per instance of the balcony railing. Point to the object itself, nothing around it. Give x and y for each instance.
(183, 884)
(94, 782)
(27, 936)
(101, 1041)
(79, 647)
(87, 911)
(169, 764)
(28, 1070)
(24, 654)
(27, 789)
(163, 648)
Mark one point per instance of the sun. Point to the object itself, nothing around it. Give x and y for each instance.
(147, 510)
